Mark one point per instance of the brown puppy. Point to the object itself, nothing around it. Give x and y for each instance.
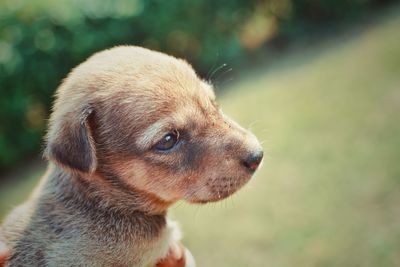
(132, 131)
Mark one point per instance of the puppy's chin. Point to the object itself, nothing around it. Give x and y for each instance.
(218, 189)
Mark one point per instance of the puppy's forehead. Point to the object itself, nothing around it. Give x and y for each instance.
(166, 93)
(146, 76)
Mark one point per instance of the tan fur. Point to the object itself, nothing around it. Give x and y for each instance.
(104, 199)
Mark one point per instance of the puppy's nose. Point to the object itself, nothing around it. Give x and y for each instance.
(253, 160)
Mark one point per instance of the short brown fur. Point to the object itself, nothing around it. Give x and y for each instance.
(104, 198)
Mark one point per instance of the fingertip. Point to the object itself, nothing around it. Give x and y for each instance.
(177, 251)
(3, 257)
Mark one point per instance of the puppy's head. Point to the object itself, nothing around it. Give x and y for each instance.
(146, 120)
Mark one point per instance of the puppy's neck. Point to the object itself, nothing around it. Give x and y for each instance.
(103, 192)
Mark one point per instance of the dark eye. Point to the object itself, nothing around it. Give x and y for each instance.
(168, 141)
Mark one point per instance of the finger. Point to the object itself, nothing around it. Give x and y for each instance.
(177, 251)
(3, 257)
(174, 258)
(190, 262)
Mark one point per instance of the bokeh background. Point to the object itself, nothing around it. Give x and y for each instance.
(318, 81)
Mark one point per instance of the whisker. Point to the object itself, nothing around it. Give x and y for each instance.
(216, 70)
(263, 142)
(213, 66)
(222, 75)
(225, 82)
(196, 211)
(253, 123)
(179, 204)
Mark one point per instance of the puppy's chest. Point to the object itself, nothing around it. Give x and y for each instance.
(119, 244)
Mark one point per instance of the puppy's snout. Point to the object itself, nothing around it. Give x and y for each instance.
(253, 160)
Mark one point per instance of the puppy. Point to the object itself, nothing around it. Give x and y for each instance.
(132, 132)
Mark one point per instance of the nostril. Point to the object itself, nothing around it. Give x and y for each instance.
(254, 160)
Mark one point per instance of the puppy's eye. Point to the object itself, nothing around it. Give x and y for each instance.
(168, 141)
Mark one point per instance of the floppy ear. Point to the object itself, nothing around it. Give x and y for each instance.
(70, 142)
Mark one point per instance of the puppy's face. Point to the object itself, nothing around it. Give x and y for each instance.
(156, 127)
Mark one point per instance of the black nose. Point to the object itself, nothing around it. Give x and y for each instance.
(253, 160)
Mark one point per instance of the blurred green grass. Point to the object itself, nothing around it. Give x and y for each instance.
(328, 193)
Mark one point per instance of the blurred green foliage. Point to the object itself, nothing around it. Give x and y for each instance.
(41, 40)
